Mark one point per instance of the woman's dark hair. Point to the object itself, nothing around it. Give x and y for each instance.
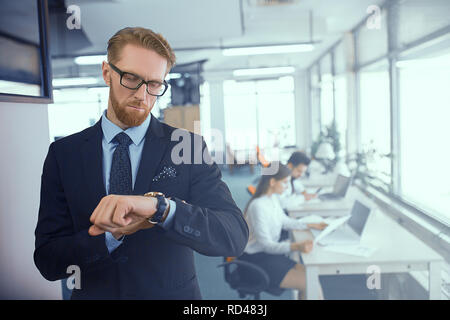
(264, 182)
(299, 157)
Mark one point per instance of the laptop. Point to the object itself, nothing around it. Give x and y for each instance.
(339, 190)
(348, 231)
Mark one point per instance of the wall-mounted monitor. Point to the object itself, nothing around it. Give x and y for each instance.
(25, 73)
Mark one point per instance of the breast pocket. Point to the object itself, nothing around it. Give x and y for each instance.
(171, 187)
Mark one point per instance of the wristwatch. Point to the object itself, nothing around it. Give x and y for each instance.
(162, 207)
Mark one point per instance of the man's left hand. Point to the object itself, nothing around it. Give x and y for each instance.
(115, 212)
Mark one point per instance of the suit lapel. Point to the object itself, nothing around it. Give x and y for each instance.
(155, 146)
(92, 155)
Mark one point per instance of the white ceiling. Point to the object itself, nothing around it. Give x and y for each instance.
(215, 23)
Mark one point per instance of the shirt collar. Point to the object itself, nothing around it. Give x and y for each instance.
(110, 130)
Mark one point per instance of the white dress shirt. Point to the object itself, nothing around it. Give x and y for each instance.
(266, 218)
(137, 135)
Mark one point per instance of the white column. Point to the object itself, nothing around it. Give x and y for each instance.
(302, 116)
(353, 119)
(217, 108)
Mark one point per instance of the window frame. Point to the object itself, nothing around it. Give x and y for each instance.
(46, 88)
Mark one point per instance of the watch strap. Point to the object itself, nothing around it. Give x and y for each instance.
(162, 208)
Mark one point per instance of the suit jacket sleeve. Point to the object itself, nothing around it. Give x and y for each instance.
(57, 245)
(209, 221)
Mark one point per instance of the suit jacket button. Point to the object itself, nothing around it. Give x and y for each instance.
(197, 233)
(187, 229)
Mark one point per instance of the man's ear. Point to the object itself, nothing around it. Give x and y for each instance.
(106, 73)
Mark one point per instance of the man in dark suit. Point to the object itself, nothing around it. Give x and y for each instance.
(96, 212)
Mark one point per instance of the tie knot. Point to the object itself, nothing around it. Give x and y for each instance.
(123, 139)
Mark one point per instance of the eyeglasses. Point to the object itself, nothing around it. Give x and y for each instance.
(134, 82)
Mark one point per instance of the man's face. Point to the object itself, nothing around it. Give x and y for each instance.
(298, 171)
(131, 107)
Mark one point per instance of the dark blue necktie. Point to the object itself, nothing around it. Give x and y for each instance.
(120, 181)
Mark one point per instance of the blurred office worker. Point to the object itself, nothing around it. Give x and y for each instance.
(93, 213)
(266, 219)
(295, 192)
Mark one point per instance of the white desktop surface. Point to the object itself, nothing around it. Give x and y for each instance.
(323, 208)
(392, 241)
(397, 250)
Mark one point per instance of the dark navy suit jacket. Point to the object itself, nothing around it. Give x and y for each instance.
(150, 264)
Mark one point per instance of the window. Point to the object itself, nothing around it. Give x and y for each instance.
(420, 101)
(326, 92)
(205, 114)
(75, 109)
(340, 86)
(276, 112)
(240, 115)
(24, 59)
(259, 113)
(425, 111)
(315, 102)
(375, 129)
(341, 94)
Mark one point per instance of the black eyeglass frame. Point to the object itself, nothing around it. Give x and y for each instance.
(121, 73)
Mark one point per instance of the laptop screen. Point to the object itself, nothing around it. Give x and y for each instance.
(341, 186)
(359, 216)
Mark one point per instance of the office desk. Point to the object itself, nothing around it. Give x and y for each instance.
(397, 251)
(328, 208)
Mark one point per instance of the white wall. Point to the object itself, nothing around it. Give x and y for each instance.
(24, 141)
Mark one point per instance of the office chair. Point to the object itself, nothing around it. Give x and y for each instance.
(251, 189)
(258, 283)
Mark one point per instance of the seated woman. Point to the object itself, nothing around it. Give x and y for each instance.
(266, 219)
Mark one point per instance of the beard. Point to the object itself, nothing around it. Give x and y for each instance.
(128, 116)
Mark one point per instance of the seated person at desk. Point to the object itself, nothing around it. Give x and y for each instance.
(295, 193)
(266, 219)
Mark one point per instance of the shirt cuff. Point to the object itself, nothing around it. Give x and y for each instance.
(111, 242)
(168, 222)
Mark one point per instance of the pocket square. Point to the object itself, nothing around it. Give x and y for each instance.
(167, 172)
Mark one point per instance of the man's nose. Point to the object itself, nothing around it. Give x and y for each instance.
(141, 93)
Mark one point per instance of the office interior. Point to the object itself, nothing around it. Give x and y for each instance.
(360, 86)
